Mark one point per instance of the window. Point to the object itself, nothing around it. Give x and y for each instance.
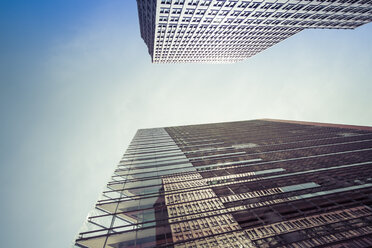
(164, 10)
(163, 18)
(176, 11)
(165, 1)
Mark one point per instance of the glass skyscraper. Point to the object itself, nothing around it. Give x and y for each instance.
(259, 183)
(227, 31)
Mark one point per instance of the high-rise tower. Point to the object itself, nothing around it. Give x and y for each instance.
(227, 31)
(260, 183)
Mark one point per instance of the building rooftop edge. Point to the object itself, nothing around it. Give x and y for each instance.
(367, 128)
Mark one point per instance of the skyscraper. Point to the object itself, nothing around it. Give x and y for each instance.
(227, 31)
(260, 183)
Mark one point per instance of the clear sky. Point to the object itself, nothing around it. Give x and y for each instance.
(76, 83)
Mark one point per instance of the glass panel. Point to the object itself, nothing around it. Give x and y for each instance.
(142, 183)
(299, 187)
(268, 171)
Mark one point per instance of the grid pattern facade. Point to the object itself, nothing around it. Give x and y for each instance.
(227, 31)
(259, 183)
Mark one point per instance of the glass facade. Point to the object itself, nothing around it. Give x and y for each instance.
(260, 183)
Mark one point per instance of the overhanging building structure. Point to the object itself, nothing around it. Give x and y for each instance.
(260, 183)
(227, 31)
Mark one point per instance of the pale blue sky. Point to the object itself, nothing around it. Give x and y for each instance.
(76, 82)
